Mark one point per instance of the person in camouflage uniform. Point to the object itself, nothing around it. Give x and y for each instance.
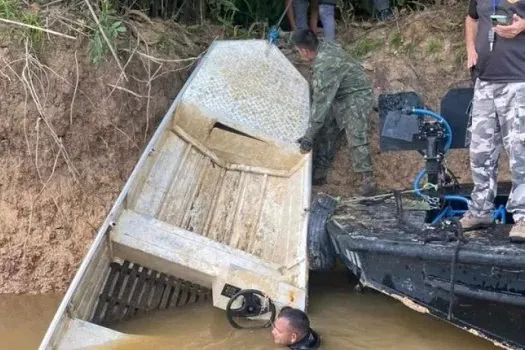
(498, 110)
(342, 99)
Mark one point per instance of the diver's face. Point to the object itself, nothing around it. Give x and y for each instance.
(282, 333)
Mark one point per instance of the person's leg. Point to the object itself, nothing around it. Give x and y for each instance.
(325, 147)
(510, 106)
(354, 113)
(484, 153)
(327, 13)
(314, 15)
(301, 14)
(290, 14)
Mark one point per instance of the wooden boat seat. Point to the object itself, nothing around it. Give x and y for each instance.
(175, 251)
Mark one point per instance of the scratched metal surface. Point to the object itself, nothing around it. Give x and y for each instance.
(252, 87)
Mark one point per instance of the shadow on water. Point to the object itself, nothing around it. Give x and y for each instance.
(345, 319)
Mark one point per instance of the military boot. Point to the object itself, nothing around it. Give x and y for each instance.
(471, 222)
(517, 232)
(368, 187)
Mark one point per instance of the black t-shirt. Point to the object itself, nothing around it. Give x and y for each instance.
(506, 62)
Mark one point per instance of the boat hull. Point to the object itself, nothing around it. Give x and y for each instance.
(215, 205)
(403, 260)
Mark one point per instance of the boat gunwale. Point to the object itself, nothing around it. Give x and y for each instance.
(469, 253)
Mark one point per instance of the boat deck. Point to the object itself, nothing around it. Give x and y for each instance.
(369, 221)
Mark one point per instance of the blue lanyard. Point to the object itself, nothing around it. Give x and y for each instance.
(495, 3)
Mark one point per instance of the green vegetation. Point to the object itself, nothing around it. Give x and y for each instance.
(434, 45)
(395, 39)
(111, 26)
(12, 10)
(365, 46)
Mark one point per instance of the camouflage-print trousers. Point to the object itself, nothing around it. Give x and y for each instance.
(355, 121)
(498, 118)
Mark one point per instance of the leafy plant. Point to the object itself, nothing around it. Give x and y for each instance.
(112, 27)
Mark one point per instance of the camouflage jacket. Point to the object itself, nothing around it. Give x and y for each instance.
(336, 78)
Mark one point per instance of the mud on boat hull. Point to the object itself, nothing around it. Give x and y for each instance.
(488, 298)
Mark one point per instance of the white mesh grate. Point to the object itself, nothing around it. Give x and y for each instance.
(250, 86)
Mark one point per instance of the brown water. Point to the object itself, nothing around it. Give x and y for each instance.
(344, 319)
(24, 319)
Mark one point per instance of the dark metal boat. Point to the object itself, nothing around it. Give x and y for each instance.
(410, 245)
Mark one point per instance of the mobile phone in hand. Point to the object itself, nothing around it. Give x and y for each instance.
(500, 19)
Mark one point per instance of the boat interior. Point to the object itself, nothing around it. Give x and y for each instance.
(209, 208)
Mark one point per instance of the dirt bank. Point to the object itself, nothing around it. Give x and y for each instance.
(64, 161)
(62, 168)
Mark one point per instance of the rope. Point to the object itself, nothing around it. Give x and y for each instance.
(460, 238)
(273, 34)
(399, 206)
(427, 186)
(445, 237)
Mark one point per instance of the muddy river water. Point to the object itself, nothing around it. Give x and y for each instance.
(345, 320)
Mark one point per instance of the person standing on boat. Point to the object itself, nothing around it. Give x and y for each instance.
(496, 54)
(341, 91)
(292, 329)
(297, 13)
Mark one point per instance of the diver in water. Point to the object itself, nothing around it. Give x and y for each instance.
(292, 329)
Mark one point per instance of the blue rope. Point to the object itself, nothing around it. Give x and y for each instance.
(273, 33)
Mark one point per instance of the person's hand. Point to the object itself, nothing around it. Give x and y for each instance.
(510, 31)
(305, 144)
(472, 58)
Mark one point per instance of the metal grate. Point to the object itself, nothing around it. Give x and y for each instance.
(131, 289)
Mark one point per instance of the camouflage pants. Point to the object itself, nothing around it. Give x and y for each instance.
(355, 126)
(498, 119)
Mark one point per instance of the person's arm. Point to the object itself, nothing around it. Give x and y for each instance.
(290, 14)
(510, 31)
(325, 84)
(471, 31)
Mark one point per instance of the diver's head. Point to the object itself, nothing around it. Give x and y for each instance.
(290, 326)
